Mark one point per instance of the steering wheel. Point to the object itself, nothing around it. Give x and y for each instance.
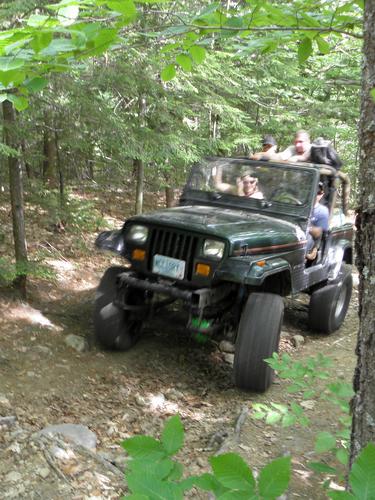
(283, 196)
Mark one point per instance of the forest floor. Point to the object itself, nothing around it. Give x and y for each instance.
(44, 381)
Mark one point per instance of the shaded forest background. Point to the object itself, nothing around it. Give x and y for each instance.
(112, 118)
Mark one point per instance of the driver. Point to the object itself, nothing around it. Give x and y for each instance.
(248, 187)
(318, 224)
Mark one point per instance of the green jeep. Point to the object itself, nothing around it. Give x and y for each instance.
(230, 258)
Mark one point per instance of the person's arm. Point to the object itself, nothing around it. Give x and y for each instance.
(219, 184)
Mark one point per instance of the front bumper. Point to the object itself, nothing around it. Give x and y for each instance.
(197, 299)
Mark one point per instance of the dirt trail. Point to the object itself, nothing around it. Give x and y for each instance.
(43, 381)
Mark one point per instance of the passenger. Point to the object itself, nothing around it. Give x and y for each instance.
(248, 187)
(269, 145)
(318, 224)
(299, 152)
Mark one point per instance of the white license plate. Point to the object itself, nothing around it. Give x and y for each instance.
(166, 266)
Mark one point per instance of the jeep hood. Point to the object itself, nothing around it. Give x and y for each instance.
(242, 228)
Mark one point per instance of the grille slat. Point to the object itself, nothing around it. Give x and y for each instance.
(175, 244)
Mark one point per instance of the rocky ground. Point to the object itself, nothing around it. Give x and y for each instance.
(52, 372)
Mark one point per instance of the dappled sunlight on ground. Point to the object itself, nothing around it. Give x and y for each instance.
(20, 311)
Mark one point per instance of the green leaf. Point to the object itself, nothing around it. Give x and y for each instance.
(341, 495)
(288, 420)
(372, 92)
(274, 478)
(323, 46)
(232, 472)
(184, 61)
(141, 482)
(16, 77)
(57, 46)
(325, 442)
(68, 15)
(304, 50)
(168, 73)
(236, 495)
(273, 417)
(10, 63)
(176, 472)
(41, 41)
(36, 84)
(342, 456)
(3, 97)
(208, 482)
(19, 102)
(321, 468)
(362, 477)
(197, 53)
(143, 447)
(172, 437)
(124, 7)
(37, 20)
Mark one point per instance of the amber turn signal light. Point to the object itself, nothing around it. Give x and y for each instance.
(138, 254)
(261, 263)
(203, 269)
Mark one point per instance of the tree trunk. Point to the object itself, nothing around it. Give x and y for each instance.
(60, 171)
(139, 169)
(49, 153)
(169, 196)
(363, 427)
(138, 164)
(16, 199)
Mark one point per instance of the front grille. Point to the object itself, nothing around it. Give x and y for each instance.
(176, 244)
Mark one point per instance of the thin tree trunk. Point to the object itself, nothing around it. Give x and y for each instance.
(16, 199)
(59, 170)
(363, 404)
(169, 196)
(49, 160)
(139, 169)
(26, 164)
(138, 164)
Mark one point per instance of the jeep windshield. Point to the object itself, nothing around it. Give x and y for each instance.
(253, 184)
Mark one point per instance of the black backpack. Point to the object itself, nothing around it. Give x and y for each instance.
(323, 152)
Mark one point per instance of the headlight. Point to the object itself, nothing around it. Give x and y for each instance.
(213, 248)
(138, 233)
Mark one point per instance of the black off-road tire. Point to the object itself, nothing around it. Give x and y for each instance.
(329, 305)
(257, 338)
(114, 328)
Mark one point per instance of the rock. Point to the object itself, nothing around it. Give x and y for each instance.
(43, 472)
(201, 462)
(174, 394)
(140, 400)
(298, 340)
(77, 343)
(8, 421)
(77, 433)
(284, 334)
(226, 346)
(13, 477)
(229, 358)
(4, 401)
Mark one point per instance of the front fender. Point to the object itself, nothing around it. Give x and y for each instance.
(248, 271)
(112, 241)
(263, 268)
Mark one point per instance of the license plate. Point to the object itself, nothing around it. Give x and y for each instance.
(166, 266)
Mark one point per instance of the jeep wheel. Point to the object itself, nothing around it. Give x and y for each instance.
(329, 305)
(114, 327)
(257, 338)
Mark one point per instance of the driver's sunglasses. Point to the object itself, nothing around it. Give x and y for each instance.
(250, 182)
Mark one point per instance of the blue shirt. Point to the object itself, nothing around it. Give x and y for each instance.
(319, 217)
